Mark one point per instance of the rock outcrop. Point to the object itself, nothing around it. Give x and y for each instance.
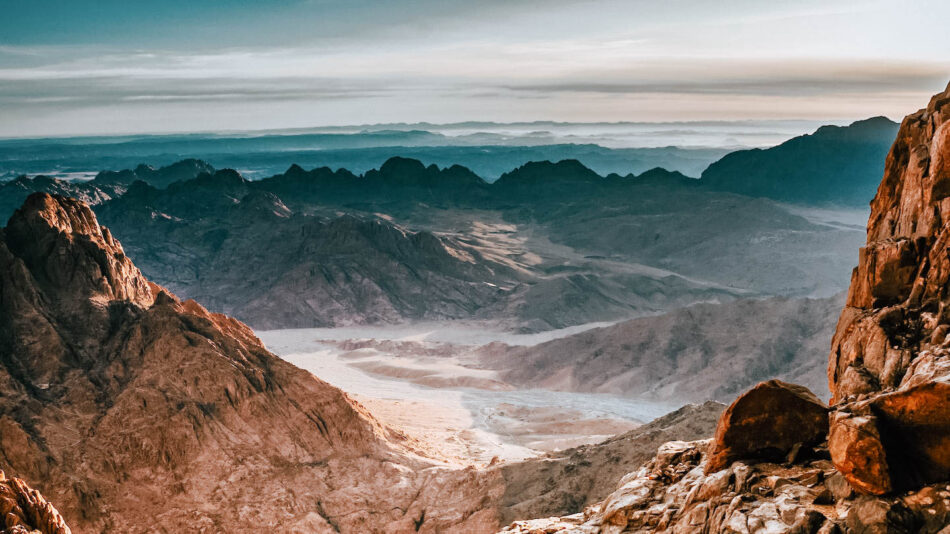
(24, 511)
(890, 362)
(673, 494)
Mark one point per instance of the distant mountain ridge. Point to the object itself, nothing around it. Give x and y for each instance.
(405, 178)
(659, 357)
(548, 245)
(834, 165)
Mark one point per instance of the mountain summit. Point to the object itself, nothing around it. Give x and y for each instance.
(134, 411)
(834, 165)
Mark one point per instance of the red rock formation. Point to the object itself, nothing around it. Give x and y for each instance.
(898, 293)
(770, 421)
(890, 357)
(136, 412)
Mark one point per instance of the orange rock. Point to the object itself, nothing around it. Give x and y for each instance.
(767, 422)
(858, 453)
(917, 424)
(24, 510)
(898, 299)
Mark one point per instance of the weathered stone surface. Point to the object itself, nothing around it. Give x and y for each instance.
(761, 498)
(767, 422)
(24, 511)
(858, 452)
(896, 306)
(894, 441)
(890, 364)
(916, 425)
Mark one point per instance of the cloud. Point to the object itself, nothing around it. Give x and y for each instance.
(715, 76)
(212, 64)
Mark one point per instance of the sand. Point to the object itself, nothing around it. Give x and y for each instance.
(421, 380)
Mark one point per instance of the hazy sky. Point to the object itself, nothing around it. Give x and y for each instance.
(116, 66)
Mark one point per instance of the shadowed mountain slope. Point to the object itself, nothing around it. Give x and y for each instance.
(834, 165)
(660, 357)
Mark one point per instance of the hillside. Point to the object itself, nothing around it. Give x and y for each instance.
(660, 357)
(835, 165)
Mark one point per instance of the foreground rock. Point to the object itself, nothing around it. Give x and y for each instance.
(772, 421)
(24, 511)
(890, 359)
(672, 493)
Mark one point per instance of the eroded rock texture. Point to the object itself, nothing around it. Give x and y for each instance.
(24, 511)
(672, 493)
(889, 369)
(773, 421)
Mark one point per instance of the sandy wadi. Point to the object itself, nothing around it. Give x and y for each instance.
(425, 379)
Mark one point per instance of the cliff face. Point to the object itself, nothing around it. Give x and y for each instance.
(889, 369)
(897, 310)
(134, 411)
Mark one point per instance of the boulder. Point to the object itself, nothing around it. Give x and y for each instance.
(767, 422)
(857, 450)
(916, 424)
(894, 441)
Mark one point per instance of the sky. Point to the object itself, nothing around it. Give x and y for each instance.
(75, 67)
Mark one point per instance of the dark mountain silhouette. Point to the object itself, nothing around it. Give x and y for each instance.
(105, 186)
(834, 165)
(551, 244)
(161, 178)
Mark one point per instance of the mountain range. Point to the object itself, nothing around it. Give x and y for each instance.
(547, 245)
(135, 410)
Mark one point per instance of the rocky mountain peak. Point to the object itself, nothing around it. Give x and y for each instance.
(140, 413)
(60, 242)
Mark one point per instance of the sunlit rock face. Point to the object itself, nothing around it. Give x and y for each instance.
(890, 359)
(25, 511)
(894, 326)
(772, 421)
